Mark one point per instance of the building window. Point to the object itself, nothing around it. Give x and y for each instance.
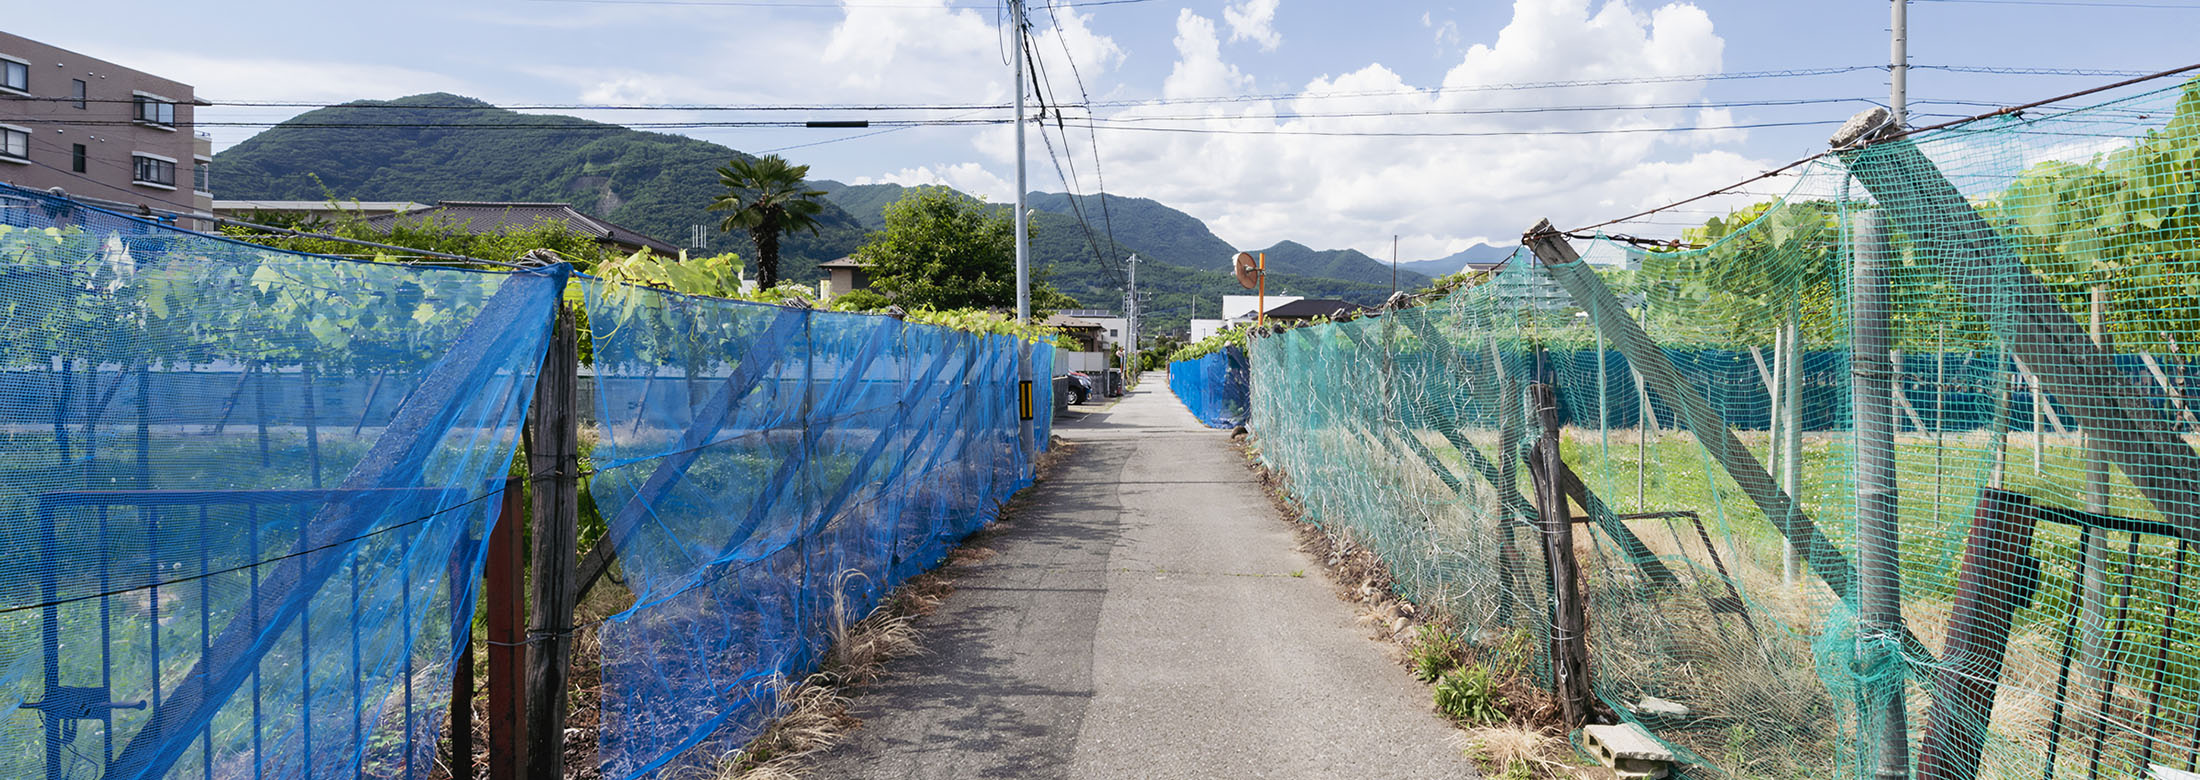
(15, 143)
(78, 90)
(78, 158)
(201, 174)
(154, 171)
(15, 74)
(155, 110)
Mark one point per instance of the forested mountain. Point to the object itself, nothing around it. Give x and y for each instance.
(448, 147)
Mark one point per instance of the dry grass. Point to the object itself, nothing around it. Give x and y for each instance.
(1531, 737)
(815, 713)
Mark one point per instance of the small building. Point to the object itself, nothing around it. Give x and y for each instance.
(99, 131)
(1114, 329)
(1089, 335)
(1309, 308)
(487, 217)
(315, 210)
(845, 275)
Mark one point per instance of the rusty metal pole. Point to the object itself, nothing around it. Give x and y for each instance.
(507, 646)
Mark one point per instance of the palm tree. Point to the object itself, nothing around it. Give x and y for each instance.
(767, 198)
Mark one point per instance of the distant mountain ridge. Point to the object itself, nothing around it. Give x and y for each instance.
(440, 146)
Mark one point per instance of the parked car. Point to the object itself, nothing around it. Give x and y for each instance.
(1080, 387)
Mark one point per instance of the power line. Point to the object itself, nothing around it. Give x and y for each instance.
(2077, 4)
(1107, 125)
(1107, 218)
(1040, 84)
(821, 4)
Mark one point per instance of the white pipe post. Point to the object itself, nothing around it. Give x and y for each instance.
(1898, 69)
(1023, 230)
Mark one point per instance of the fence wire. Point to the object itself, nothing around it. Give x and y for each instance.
(1214, 387)
(244, 493)
(768, 474)
(2010, 450)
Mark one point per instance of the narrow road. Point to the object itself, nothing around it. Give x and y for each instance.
(1147, 616)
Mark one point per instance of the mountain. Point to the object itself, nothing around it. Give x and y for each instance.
(1163, 233)
(446, 147)
(440, 146)
(1457, 261)
(1352, 265)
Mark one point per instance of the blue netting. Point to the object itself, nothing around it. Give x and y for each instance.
(1214, 386)
(768, 474)
(241, 496)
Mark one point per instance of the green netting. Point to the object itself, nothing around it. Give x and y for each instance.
(2007, 453)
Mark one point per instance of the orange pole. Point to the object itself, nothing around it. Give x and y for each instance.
(1260, 318)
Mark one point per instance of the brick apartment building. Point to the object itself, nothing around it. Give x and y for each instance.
(98, 130)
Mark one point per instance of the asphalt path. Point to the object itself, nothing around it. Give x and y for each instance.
(1147, 616)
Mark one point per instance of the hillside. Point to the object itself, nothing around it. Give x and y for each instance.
(447, 147)
(1291, 257)
(1457, 261)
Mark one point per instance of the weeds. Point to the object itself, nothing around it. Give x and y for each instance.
(1433, 653)
(1468, 695)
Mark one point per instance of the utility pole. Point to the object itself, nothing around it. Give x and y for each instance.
(1131, 311)
(1899, 69)
(1023, 230)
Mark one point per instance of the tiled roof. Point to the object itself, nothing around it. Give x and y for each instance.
(1315, 307)
(482, 216)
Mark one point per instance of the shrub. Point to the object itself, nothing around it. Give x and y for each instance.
(1468, 695)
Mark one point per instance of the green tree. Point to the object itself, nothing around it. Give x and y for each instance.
(942, 249)
(767, 197)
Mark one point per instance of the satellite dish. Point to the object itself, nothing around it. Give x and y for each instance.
(1248, 270)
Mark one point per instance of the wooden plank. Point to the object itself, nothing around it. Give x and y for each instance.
(396, 458)
(553, 468)
(2030, 321)
(1659, 375)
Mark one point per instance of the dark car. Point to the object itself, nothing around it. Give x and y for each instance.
(1080, 387)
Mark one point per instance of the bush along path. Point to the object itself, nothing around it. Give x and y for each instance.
(1145, 614)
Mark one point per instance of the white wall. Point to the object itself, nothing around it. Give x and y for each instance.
(1201, 329)
(1245, 306)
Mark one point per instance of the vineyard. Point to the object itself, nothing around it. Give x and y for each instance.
(1893, 475)
(271, 500)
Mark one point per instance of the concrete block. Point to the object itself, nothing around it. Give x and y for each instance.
(1630, 752)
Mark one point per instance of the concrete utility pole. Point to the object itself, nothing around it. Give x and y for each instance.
(1899, 69)
(1023, 230)
(1131, 311)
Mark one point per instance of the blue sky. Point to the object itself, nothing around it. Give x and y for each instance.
(1254, 186)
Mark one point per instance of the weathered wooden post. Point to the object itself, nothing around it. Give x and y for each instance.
(553, 468)
(1570, 622)
(1878, 527)
(1998, 576)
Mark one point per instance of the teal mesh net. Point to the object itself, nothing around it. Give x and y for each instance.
(1896, 474)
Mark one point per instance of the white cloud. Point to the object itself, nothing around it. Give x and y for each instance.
(1253, 20)
(968, 177)
(1475, 174)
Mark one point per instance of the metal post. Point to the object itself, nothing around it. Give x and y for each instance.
(1023, 229)
(1131, 312)
(1791, 429)
(2093, 615)
(507, 672)
(1878, 540)
(1898, 66)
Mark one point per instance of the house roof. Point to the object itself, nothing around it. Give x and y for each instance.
(316, 205)
(1058, 320)
(481, 216)
(1307, 308)
(845, 262)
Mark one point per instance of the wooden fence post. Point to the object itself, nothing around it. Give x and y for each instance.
(1570, 623)
(501, 593)
(553, 467)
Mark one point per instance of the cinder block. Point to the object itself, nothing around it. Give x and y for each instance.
(1630, 752)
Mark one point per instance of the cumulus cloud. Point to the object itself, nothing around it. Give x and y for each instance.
(968, 177)
(1253, 20)
(1305, 167)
